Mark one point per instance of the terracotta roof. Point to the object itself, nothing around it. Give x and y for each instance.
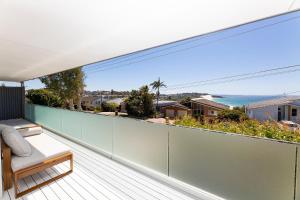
(164, 103)
(177, 105)
(210, 103)
(273, 102)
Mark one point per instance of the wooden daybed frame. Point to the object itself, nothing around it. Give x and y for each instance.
(10, 177)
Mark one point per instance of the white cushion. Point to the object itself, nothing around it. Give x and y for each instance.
(18, 123)
(2, 127)
(43, 148)
(19, 146)
(24, 127)
(26, 132)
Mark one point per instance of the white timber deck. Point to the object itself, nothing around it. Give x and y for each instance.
(95, 177)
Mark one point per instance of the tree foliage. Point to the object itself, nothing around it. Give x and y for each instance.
(268, 129)
(44, 97)
(140, 103)
(236, 115)
(156, 85)
(186, 102)
(68, 85)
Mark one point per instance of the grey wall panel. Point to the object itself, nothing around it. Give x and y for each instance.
(232, 167)
(11, 102)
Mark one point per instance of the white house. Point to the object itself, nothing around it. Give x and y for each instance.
(91, 102)
(284, 108)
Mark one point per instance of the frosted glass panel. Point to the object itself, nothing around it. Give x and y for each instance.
(72, 123)
(49, 117)
(142, 142)
(97, 131)
(232, 167)
(28, 111)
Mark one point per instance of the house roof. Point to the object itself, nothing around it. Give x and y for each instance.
(89, 98)
(38, 38)
(210, 103)
(275, 101)
(164, 103)
(176, 105)
(170, 104)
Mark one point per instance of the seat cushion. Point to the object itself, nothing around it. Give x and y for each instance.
(19, 146)
(18, 123)
(43, 148)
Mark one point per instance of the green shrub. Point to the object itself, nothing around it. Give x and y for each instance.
(97, 109)
(109, 107)
(232, 115)
(268, 129)
(44, 97)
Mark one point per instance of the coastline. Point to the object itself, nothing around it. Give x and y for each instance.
(238, 100)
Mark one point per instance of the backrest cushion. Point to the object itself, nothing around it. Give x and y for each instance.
(19, 146)
(31, 131)
(3, 126)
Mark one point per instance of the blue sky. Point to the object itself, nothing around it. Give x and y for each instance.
(275, 46)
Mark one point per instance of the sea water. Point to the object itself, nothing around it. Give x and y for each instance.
(240, 100)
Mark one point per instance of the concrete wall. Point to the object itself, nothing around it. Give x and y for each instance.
(264, 113)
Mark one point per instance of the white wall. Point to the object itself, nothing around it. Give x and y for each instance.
(264, 113)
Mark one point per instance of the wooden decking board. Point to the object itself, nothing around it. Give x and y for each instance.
(56, 188)
(108, 193)
(129, 173)
(142, 193)
(95, 177)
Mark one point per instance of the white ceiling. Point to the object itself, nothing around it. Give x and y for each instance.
(47, 36)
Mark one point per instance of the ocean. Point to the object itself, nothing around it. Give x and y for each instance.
(240, 100)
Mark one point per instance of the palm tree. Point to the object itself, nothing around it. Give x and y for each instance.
(156, 85)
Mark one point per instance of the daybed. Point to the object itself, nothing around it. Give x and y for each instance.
(46, 152)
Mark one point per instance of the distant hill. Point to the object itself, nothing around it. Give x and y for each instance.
(105, 92)
(174, 97)
(180, 96)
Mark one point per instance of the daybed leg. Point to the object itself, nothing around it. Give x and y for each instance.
(71, 162)
(7, 172)
(16, 185)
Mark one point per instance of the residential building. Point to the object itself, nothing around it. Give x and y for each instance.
(278, 109)
(120, 102)
(90, 102)
(206, 108)
(172, 109)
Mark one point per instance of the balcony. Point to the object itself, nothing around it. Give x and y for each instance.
(96, 177)
(122, 158)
